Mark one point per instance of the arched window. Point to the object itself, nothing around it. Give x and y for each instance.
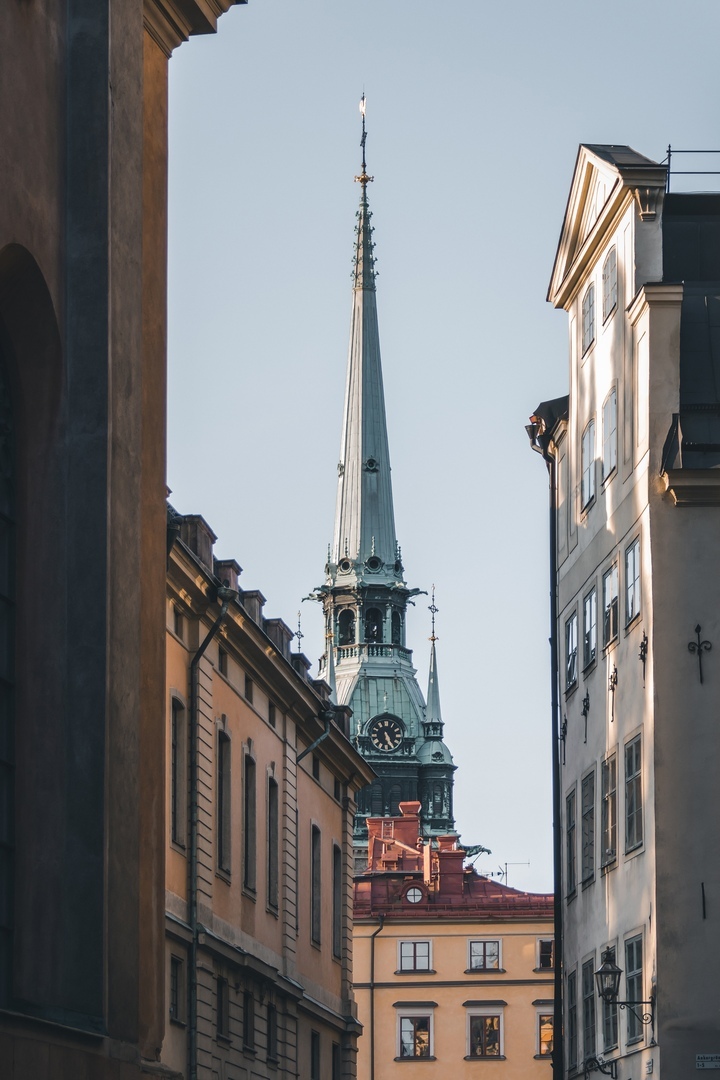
(346, 627)
(7, 677)
(373, 625)
(437, 799)
(396, 628)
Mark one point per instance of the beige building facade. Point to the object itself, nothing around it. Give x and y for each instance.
(633, 455)
(260, 800)
(452, 970)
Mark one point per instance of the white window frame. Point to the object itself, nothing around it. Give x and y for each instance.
(634, 1025)
(475, 1013)
(611, 575)
(591, 624)
(587, 310)
(587, 461)
(538, 944)
(610, 439)
(571, 651)
(633, 582)
(588, 826)
(608, 809)
(636, 844)
(414, 942)
(474, 941)
(540, 1012)
(609, 292)
(409, 1013)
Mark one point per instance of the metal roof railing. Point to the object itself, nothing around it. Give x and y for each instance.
(687, 172)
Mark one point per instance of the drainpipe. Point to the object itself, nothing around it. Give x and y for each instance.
(327, 717)
(224, 595)
(381, 921)
(541, 441)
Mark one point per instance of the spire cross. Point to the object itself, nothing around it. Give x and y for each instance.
(433, 611)
(363, 179)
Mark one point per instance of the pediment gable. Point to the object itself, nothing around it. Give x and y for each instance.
(602, 178)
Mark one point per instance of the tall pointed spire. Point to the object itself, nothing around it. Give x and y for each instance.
(432, 711)
(364, 538)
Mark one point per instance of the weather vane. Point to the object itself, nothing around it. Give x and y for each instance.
(299, 634)
(363, 178)
(433, 611)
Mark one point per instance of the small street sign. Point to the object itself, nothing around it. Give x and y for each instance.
(707, 1061)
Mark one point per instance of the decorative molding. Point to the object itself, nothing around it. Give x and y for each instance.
(693, 487)
(170, 22)
(647, 199)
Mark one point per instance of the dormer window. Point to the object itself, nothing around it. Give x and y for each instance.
(588, 319)
(609, 280)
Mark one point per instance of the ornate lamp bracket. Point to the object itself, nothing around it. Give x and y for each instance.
(563, 736)
(612, 683)
(642, 655)
(585, 710)
(597, 1064)
(699, 647)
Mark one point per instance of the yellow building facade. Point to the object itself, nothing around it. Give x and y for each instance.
(260, 799)
(451, 969)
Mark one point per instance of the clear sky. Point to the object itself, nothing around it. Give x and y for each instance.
(475, 112)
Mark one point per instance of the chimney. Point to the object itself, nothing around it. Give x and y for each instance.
(228, 571)
(196, 534)
(253, 601)
(301, 664)
(280, 634)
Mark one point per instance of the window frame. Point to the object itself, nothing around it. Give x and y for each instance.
(497, 941)
(337, 902)
(540, 1015)
(315, 1055)
(409, 946)
(572, 1019)
(178, 771)
(249, 823)
(610, 438)
(414, 1014)
(611, 609)
(222, 1008)
(272, 1032)
(634, 804)
(489, 1013)
(587, 809)
(590, 654)
(608, 810)
(571, 652)
(633, 581)
(248, 1029)
(571, 842)
(177, 1010)
(588, 458)
(587, 323)
(223, 803)
(315, 885)
(634, 980)
(273, 844)
(539, 942)
(589, 1009)
(609, 284)
(610, 1013)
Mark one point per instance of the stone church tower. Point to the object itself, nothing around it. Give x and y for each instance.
(365, 597)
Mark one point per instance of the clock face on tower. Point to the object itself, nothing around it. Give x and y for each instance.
(386, 733)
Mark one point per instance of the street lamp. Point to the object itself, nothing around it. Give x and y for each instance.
(607, 978)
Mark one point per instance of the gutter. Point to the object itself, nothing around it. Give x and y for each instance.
(541, 441)
(381, 923)
(225, 595)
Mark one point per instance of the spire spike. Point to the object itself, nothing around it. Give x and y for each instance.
(433, 610)
(299, 635)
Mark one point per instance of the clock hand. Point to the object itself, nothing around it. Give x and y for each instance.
(388, 740)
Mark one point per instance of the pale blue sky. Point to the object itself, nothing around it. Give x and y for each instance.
(474, 115)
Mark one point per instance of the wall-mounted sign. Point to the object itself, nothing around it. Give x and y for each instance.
(707, 1061)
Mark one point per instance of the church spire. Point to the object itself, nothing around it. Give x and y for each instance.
(433, 716)
(364, 538)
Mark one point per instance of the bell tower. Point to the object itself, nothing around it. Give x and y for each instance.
(365, 597)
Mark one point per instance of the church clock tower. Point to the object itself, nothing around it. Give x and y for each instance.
(365, 597)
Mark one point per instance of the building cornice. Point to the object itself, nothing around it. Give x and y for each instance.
(693, 487)
(171, 22)
(656, 294)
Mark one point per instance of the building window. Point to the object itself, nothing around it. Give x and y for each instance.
(178, 623)
(609, 283)
(588, 994)
(610, 605)
(315, 767)
(589, 628)
(484, 1036)
(314, 1055)
(248, 1020)
(610, 1017)
(396, 628)
(571, 646)
(346, 627)
(177, 989)
(222, 661)
(336, 1061)
(414, 955)
(178, 772)
(587, 482)
(545, 1034)
(588, 318)
(485, 955)
(249, 689)
(315, 884)
(546, 954)
(609, 810)
(633, 795)
(250, 825)
(373, 626)
(632, 581)
(609, 458)
(337, 789)
(570, 871)
(633, 985)
(273, 844)
(337, 903)
(415, 1036)
(572, 1027)
(222, 1015)
(272, 1033)
(222, 809)
(272, 715)
(588, 828)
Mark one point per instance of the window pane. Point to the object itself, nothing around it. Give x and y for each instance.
(588, 827)
(588, 319)
(610, 1017)
(610, 605)
(545, 1035)
(609, 810)
(570, 842)
(588, 465)
(572, 1018)
(632, 581)
(589, 628)
(484, 954)
(485, 1036)
(633, 795)
(633, 985)
(588, 986)
(609, 283)
(571, 651)
(609, 434)
(415, 1036)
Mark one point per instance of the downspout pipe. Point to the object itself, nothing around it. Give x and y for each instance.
(327, 717)
(381, 923)
(225, 595)
(541, 441)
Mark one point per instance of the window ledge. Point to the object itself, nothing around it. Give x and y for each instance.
(176, 1022)
(632, 623)
(589, 666)
(606, 479)
(415, 1060)
(609, 865)
(570, 690)
(177, 845)
(544, 971)
(224, 1039)
(485, 1057)
(417, 971)
(588, 882)
(224, 875)
(485, 971)
(571, 896)
(250, 893)
(630, 853)
(542, 1057)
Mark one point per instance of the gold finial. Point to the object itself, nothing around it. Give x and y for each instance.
(433, 610)
(363, 179)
